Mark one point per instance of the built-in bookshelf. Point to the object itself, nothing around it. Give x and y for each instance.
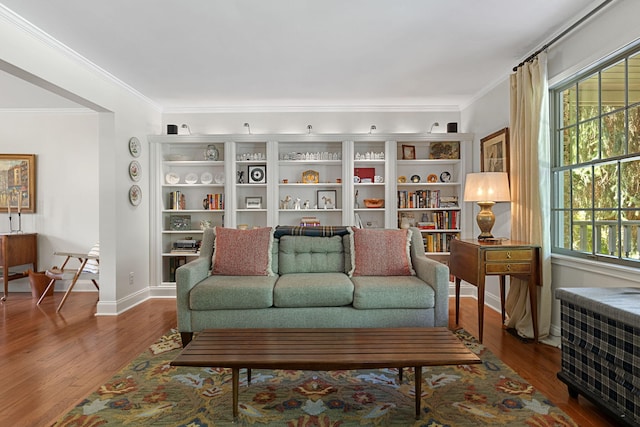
(373, 181)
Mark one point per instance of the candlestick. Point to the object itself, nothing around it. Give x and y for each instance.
(9, 207)
(19, 203)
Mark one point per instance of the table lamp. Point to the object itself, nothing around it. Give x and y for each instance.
(486, 188)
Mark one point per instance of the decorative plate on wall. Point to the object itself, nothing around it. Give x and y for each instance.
(135, 170)
(135, 195)
(134, 147)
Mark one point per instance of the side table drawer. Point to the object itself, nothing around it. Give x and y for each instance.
(509, 255)
(507, 268)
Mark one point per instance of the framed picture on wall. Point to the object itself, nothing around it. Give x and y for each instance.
(18, 188)
(494, 152)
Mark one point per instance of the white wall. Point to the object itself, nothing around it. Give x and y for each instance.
(66, 148)
(489, 113)
(123, 229)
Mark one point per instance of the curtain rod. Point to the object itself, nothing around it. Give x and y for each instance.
(562, 34)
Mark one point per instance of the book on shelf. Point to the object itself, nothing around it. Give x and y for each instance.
(438, 242)
(177, 200)
(418, 199)
(214, 202)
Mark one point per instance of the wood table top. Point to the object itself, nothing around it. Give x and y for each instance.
(325, 349)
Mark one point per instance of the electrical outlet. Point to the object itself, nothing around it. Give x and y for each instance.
(131, 278)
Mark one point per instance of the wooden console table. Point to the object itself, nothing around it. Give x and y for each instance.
(17, 249)
(472, 260)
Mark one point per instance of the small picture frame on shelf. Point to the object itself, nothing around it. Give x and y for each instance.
(310, 177)
(180, 222)
(444, 150)
(253, 202)
(408, 152)
(257, 174)
(326, 199)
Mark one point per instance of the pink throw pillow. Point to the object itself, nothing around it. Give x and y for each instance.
(381, 253)
(242, 252)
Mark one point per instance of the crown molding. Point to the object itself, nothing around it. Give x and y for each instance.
(35, 32)
(48, 110)
(314, 109)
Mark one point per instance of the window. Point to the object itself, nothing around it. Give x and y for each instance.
(596, 162)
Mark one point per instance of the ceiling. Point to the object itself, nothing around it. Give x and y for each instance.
(259, 54)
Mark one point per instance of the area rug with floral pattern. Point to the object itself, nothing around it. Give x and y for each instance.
(151, 392)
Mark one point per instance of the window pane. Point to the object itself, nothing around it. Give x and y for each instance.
(569, 147)
(630, 184)
(564, 182)
(634, 79)
(569, 105)
(588, 139)
(562, 237)
(582, 232)
(606, 233)
(588, 98)
(613, 140)
(630, 235)
(613, 88)
(634, 130)
(582, 188)
(605, 186)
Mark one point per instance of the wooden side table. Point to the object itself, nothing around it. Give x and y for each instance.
(472, 260)
(17, 249)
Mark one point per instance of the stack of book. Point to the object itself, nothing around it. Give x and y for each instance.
(309, 221)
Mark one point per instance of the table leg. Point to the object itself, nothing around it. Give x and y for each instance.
(533, 300)
(457, 299)
(502, 292)
(480, 308)
(418, 389)
(235, 374)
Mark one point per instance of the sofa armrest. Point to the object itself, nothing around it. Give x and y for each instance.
(435, 274)
(189, 275)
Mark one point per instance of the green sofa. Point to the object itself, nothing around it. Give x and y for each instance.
(310, 288)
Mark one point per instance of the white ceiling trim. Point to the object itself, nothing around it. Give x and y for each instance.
(45, 38)
(48, 111)
(317, 109)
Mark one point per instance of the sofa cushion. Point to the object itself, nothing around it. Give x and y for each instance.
(232, 292)
(392, 292)
(381, 253)
(313, 290)
(304, 254)
(243, 252)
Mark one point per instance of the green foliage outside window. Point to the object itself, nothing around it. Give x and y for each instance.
(596, 162)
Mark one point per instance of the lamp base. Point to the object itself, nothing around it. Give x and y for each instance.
(485, 220)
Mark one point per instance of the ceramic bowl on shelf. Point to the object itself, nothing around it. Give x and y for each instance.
(374, 203)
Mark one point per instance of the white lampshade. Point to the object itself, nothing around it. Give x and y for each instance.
(487, 187)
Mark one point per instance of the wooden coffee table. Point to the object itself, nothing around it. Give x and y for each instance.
(325, 350)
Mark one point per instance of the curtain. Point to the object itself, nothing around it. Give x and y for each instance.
(530, 189)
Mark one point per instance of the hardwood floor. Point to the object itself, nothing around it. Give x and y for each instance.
(50, 361)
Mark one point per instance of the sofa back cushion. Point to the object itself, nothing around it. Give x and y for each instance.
(305, 254)
(242, 252)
